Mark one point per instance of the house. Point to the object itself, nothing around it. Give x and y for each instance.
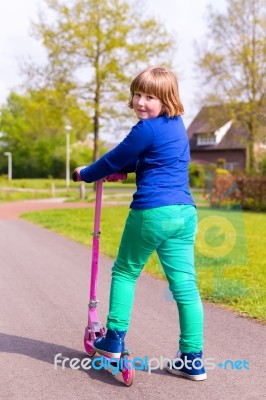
(215, 138)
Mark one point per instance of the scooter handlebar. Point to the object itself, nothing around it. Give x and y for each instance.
(119, 176)
(75, 176)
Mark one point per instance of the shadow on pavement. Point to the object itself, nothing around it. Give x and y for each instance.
(46, 352)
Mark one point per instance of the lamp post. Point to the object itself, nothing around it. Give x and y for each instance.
(68, 129)
(9, 156)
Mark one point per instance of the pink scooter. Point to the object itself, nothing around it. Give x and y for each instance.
(94, 329)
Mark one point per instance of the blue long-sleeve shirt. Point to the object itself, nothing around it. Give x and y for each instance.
(157, 149)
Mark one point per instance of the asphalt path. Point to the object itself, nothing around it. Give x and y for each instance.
(44, 284)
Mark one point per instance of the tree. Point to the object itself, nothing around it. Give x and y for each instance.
(33, 129)
(98, 45)
(232, 63)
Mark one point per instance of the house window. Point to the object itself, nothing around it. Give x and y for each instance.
(203, 140)
(231, 166)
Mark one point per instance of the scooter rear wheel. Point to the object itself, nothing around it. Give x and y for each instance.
(89, 348)
(128, 372)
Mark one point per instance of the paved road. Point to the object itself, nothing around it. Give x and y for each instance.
(43, 295)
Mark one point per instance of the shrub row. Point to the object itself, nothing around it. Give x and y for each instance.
(245, 191)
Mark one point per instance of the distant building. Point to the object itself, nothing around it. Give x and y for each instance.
(215, 138)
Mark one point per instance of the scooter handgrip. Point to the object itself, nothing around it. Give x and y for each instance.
(75, 176)
(118, 176)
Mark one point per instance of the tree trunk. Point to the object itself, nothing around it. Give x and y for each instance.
(251, 158)
(251, 142)
(96, 136)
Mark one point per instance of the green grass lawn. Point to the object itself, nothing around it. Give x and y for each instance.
(39, 183)
(33, 183)
(29, 189)
(233, 276)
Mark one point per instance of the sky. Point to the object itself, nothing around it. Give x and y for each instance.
(185, 18)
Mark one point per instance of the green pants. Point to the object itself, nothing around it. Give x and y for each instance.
(170, 231)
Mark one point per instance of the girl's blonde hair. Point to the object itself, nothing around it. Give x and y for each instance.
(162, 83)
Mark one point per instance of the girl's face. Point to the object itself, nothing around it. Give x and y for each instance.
(146, 105)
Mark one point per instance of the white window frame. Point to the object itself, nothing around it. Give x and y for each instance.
(231, 166)
(206, 140)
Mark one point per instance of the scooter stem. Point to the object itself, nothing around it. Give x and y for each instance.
(96, 239)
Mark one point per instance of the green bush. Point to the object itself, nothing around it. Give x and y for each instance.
(262, 167)
(196, 175)
(221, 163)
(246, 191)
(222, 171)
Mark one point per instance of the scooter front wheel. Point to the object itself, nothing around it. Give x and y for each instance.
(128, 372)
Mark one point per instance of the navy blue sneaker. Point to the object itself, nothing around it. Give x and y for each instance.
(189, 365)
(112, 344)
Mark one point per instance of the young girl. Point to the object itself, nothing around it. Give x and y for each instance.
(162, 217)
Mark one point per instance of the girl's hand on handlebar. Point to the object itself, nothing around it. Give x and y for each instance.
(119, 176)
(76, 174)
